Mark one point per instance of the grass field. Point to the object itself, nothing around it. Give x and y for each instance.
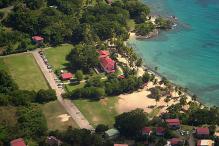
(57, 56)
(51, 111)
(25, 71)
(98, 112)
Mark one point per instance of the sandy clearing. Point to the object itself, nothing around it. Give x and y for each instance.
(64, 117)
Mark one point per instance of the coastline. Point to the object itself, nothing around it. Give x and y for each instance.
(150, 70)
(142, 99)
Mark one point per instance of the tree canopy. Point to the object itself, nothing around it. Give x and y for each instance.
(131, 123)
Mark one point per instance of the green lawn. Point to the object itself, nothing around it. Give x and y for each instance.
(52, 111)
(72, 87)
(98, 112)
(25, 71)
(57, 56)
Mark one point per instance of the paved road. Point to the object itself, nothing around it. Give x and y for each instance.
(71, 109)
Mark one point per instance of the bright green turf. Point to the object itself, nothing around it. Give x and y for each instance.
(98, 112)
(25, 71)
(57, 56)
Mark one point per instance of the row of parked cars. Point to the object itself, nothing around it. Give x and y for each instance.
(49, 67)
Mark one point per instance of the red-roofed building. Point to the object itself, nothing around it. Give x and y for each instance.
(146, 131)
(202, 132)
(66, 76)
(160, 131)
(175, 141)
(17, 142)
(121, 77)
(103, 53)
(38, 39)
(120, 145)
(108, 65)
(173, 123)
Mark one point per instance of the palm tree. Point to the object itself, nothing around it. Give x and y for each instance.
(167, 99)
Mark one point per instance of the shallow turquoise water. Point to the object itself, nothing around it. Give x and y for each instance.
(189, 54)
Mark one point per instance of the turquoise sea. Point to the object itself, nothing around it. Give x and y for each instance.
(189, 54)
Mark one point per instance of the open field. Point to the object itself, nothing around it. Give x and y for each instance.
(24, 71)
(56, 116)
(98, 112)
(57, 55)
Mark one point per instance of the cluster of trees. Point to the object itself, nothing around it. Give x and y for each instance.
(81, 137)
(11, 95)
(96, 87)
(83, 57)
(88, 92)
(163, 23)
(29, 119)
(29, 122)
(144, 28)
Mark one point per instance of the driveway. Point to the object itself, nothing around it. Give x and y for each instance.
(71, 109)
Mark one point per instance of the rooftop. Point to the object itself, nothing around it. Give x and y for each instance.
(202, 131)
(18, 142)
(112, 132)
(205, 142)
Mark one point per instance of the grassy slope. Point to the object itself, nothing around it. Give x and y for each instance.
(52, 110)
(57, 56)
(98, 112)
(25, 72)
(9, 113)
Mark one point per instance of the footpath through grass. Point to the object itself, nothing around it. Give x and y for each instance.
(98, 111)
(57, 118)
(25, 71)
(57, 55)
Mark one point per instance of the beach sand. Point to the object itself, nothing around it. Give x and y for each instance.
(140, 99)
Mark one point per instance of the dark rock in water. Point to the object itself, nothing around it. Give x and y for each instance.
(154, 33)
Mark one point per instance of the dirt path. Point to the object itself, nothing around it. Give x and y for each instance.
(71, 109)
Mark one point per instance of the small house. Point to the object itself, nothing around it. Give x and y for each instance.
(205, 142)
(146, 131)
(66, 76)
(17, 142)
(160, 131)
(38, 40)
(175, 141)
(173, 123)
(107, 64)
(112, 133)
(202, 132)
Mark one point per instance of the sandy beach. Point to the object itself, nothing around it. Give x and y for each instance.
(141, 99)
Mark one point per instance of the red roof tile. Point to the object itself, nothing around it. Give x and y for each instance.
(18, 142)
(160, 130)
(37, 38)
(202, 131)
(108, 64)
(103, 53)
(66, 76)
(175, 141)
(173, 121)
(146, 130)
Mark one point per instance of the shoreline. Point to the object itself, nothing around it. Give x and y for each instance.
(188, 93)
